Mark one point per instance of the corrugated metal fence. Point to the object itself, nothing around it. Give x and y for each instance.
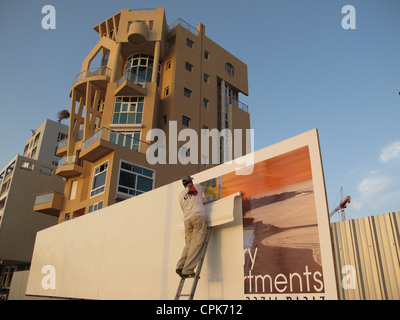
(367, 256)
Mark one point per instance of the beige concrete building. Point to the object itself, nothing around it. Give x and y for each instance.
(20, 181)
(141, 75)
(42, 145)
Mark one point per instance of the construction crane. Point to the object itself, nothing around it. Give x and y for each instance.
(342, 205)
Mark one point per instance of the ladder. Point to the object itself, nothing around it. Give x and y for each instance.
(197, 275)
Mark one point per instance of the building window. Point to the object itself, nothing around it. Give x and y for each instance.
(61, 136)
(188, 66)
(229, 69)
(184, 152)
(189, 43)
(206, 78)
(74, 188)
(134, 180)
(141, 66)
(166, 91)
(185, 121)
(46, 171)
(96, 206)
(168, 65)
(171, 41)
(128, 110)
(127, 139)
(99, 179)
(207, 55)
(164, 119)
(205, 103)
(187, 93)
(204, 160)
(37, 138)
(33, 153)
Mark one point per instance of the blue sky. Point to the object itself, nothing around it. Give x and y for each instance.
(305, 71)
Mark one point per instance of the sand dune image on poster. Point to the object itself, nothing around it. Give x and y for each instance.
(281, 242)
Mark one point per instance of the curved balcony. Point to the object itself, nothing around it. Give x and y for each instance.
(101, 75)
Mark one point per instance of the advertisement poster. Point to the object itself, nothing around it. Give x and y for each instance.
(281, 242)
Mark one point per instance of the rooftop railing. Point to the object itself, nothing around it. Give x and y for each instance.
(184, 24)
(145, 9)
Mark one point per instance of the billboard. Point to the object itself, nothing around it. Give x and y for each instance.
(281, 243)
(286, 238)
(270, 237)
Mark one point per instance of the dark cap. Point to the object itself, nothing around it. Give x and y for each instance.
(186, 180)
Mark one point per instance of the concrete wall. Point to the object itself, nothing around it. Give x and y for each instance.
(129, 251)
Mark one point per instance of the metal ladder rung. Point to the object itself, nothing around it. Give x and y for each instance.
(198, 270)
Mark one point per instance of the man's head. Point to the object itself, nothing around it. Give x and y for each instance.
(186, 180)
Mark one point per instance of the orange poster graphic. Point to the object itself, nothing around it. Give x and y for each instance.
(280, 229)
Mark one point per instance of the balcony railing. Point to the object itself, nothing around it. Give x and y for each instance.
(63, 143)
(132, 77)
(49, 203)
(122, 139)
(240, 105)
(74, 159)
(102, 71)
(44, 198)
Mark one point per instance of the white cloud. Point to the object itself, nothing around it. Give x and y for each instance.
(373, 184)
(379, 190)
(357, 204)
(390, 153)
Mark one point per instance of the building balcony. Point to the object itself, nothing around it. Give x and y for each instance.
(62, 147)
(131, 84)
(106, 140)
(240, 105)
(49, 203)
(69, 166)
(99, 75)
(63, 144)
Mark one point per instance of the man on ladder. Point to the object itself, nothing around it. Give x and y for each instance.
(191, 202)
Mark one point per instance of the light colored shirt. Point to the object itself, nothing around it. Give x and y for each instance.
(192, 205)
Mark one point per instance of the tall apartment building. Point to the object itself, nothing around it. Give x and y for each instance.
(20, 182)
(144, 74)
(42, 145)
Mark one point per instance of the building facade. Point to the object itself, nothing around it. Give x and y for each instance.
(141, 75)
(20, 182)
(42, 145)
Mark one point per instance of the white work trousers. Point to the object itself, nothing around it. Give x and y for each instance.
(195, 234)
